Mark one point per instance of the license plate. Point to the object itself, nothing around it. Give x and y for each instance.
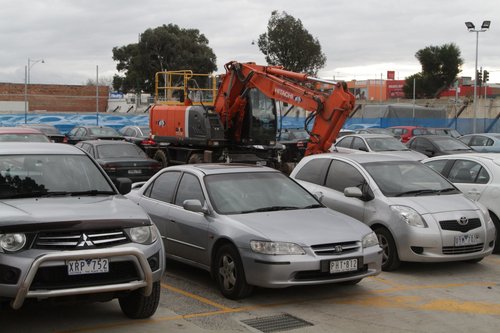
(339, 266)
(468, 239)
(87, 266)
(135, 172)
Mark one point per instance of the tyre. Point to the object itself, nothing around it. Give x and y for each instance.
(229, 273)
(161, 157)
(390, 259)
(496, 222)
(137, 306)
(195, 159)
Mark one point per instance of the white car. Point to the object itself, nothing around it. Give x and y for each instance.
(378, 143)
(477, 175)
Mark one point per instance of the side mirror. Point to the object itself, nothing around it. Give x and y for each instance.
(124, 185)
(353, 192)
(363, 149)
(137, 185)
(194, 205)
(318, 195)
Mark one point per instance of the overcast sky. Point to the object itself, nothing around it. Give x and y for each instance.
(361, 39)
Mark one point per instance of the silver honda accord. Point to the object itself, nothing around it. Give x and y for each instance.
(254, 226)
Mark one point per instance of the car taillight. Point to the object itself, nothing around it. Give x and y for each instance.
(109, 167)
(148, 142)
(65, 140)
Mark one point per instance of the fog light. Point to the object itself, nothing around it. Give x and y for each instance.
(9, 275)
(154, 262)
(417, 249)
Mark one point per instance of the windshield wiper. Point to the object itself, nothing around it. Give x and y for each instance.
(448, 189)
(313, 206)
(269, 209)
(91, 192)
(417, 192)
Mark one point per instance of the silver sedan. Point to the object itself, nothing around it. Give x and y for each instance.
(254, 226)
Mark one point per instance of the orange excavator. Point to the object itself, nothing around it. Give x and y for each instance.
(234, 117)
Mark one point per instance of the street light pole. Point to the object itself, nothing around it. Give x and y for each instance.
(27, 70)
(484, 27)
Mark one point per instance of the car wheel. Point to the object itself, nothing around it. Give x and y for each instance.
(161, 157)
(496, 222)
(138, 306)
(390, 258)
(229, 273)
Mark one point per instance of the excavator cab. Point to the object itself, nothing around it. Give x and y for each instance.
(260, 121)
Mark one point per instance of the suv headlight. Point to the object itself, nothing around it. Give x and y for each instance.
(12, 242)
(143, 235)
(370, 240)
(266, 247)
(409, 216)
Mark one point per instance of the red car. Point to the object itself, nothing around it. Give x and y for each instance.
(11, 134)
(407, 132)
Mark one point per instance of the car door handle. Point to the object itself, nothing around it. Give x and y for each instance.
(474, 192)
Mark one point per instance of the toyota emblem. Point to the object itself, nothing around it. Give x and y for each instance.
(338, 248)
(463, 221)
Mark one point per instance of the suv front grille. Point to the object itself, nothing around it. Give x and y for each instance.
(335, 248)
(453, 225)
(56, 277)
(77, 240)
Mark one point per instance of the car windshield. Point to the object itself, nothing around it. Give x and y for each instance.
(146, 131)
(23, 137)
(408, 178)
(119, 150)
(385, 144)
(451, 144)
(24, 176)
(241, 193)
(105, 131)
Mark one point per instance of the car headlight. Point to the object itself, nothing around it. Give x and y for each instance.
(409, 216)
(143, 235)
(266, 247)
(370, 240)
(12, 242)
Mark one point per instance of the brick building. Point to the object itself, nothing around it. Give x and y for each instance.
(55, 98)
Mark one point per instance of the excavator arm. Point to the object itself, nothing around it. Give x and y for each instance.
(329, 111)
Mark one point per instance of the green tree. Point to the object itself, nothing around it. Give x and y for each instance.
(440, 66)
(287, 43)
(167, 47)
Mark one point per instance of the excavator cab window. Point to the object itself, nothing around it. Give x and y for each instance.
(261, 116)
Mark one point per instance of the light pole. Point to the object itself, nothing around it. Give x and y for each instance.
(27, 70)
(472, 28)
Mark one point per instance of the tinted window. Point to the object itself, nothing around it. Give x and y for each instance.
(466, 140)
(120, 150)
(345, 142)
(437, 165)
(189, 188)
(342, 175)
(314, 171)
(129, 132)
(164, 186)
(359, 144)
(450, 144)
(422, 145)
(468, 172)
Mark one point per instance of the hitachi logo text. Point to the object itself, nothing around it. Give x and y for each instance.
(283, 93)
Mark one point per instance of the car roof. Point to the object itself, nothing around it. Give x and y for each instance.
(361, 157)
(107, 142)
(19, 130)
(495, 157)
(220, 168)
(369, 135)
(33, 148)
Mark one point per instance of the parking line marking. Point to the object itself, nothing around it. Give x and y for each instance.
(363, 299)
(387, 282)
(196, 297)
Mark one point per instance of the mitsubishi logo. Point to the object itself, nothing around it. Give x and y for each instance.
(85, 241)
(338, 248)
(463, 221)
